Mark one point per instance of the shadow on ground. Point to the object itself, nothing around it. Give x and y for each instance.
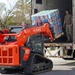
(67, 64)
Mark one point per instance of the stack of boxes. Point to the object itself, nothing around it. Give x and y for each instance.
(49, 16)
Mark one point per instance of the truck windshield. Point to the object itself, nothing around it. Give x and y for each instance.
(16, 29)
(13, 30)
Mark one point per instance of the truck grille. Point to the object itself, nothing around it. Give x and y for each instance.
(9, 55)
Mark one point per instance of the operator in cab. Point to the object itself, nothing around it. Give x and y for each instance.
(24, 25)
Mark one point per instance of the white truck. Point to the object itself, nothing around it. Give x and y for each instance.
(60, 47)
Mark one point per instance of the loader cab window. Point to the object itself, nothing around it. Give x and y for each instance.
(36, 43)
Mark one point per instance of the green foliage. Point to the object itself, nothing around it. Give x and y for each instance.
(23, 9)
(19, 13)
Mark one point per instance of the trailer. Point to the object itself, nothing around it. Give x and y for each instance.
(60, 47)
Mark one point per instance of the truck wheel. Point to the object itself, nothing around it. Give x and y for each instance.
(74, 54)
(68, 58)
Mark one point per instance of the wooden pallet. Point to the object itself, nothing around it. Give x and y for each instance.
(59, 36)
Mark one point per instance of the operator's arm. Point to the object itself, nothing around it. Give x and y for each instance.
(64, 21)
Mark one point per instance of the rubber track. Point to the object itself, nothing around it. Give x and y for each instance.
(31, 66)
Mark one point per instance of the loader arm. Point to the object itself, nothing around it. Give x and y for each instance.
(25, 33)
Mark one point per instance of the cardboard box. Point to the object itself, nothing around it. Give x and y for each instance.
(49, 16)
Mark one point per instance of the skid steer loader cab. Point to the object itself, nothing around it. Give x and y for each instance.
(36, 42)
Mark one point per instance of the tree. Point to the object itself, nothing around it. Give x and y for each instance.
(20, 12)
(6, 16)
(2, 6)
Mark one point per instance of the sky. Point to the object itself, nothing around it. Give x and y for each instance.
(9, 3)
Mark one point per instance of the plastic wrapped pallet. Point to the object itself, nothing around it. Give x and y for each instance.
(49, 16)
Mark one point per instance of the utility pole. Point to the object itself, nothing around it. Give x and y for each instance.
(31, 13)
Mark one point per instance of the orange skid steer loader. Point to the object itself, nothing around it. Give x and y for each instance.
(23, 51)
